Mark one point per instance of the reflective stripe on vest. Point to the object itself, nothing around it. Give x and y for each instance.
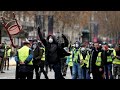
(87, 58)
(76, 53)
(98, 61)
(8, 52)
(115, 61)
(23, 53)
(109, 58)
(43, 56)
(113, 54)
(86, 61)
(70, 63)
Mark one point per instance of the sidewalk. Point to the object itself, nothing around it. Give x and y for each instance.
(12, 62)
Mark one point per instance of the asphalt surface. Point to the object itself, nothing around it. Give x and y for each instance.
(10, 74)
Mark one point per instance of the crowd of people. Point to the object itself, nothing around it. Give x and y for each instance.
(84, 60)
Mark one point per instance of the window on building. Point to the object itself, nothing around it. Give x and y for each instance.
(27, 19)
(21, 16)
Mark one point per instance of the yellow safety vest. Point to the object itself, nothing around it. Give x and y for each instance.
(70, 63)
(115, 61)
(87, 59)
(109, 58)
(76, 54)
(8, 52)
(98, 61)
(43, 56)
(5, 53)
(23, 53)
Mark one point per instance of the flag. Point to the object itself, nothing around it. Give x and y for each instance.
(12, 27)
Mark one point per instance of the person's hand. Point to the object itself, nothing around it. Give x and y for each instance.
(39, 28)
(63, 35)
(100, 69)
(22, 62)
(81, 62)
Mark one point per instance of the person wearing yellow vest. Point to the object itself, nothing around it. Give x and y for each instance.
(42, 64)
(64, 66)
(5, 56)
(85, 65)
(8, 52)
(24, 57)
(116, 63)
(108, 66)
(100, 63)
(69, 60)
(77, 58)
(97, 64)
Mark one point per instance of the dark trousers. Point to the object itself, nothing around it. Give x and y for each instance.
(36, 67)
(108, 71)
(98, 74)
(26, 75)
(7, 63)
(57, 70)
(2, 64)
(47, 66)
(42, 69)
(71, 70)
(65, 70)
(26, 71)
(17, 72)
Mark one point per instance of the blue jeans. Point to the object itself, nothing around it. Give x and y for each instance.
(108, 71)
(76, 71)
(85, 73)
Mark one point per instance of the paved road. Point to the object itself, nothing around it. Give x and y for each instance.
(10, 74)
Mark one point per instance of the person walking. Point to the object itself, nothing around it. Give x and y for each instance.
(85, 66)
(42, 63)
(116, 63)
(77, 61)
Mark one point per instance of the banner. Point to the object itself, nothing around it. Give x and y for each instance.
(12, 27)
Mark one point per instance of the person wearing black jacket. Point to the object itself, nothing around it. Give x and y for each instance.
(2, 53)
(37, 54)
(108, 62)
(98, 71)
(53, 52)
